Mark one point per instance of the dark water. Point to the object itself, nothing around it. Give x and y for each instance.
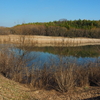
(40, 56)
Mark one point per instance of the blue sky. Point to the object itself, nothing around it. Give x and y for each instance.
(14, 12)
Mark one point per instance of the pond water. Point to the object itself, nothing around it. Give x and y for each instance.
(40, 56)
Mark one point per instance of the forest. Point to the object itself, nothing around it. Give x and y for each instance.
(62, 27)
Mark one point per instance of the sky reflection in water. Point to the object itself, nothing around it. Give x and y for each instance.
(41, 58)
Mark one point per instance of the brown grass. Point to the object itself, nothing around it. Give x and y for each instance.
(47, 40)
(10, 90)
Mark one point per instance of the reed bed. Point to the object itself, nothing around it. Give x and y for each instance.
(47, 40)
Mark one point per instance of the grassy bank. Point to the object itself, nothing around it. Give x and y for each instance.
(10, 90)
(47, 40)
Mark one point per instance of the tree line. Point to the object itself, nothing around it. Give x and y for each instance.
(63, 27)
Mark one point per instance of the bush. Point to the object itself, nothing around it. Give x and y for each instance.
(62, 78)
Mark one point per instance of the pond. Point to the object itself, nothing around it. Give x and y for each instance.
(50, 56)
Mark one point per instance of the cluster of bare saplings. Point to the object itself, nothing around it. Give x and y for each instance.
(62, 77)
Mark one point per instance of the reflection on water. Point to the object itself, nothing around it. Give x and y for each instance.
(57, 56)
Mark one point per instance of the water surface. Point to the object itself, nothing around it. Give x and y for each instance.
(49, 56)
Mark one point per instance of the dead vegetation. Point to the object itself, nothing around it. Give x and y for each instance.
(64, 78)
(10, 90)
(37, 40)
(61, 78)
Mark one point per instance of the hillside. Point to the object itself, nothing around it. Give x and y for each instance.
(10, 90)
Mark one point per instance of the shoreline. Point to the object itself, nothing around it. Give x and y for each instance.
(37, 40)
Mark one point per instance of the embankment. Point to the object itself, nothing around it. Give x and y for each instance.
(47, 40)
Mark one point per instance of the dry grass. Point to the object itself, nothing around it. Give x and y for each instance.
(48, 40)
(10, 90)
